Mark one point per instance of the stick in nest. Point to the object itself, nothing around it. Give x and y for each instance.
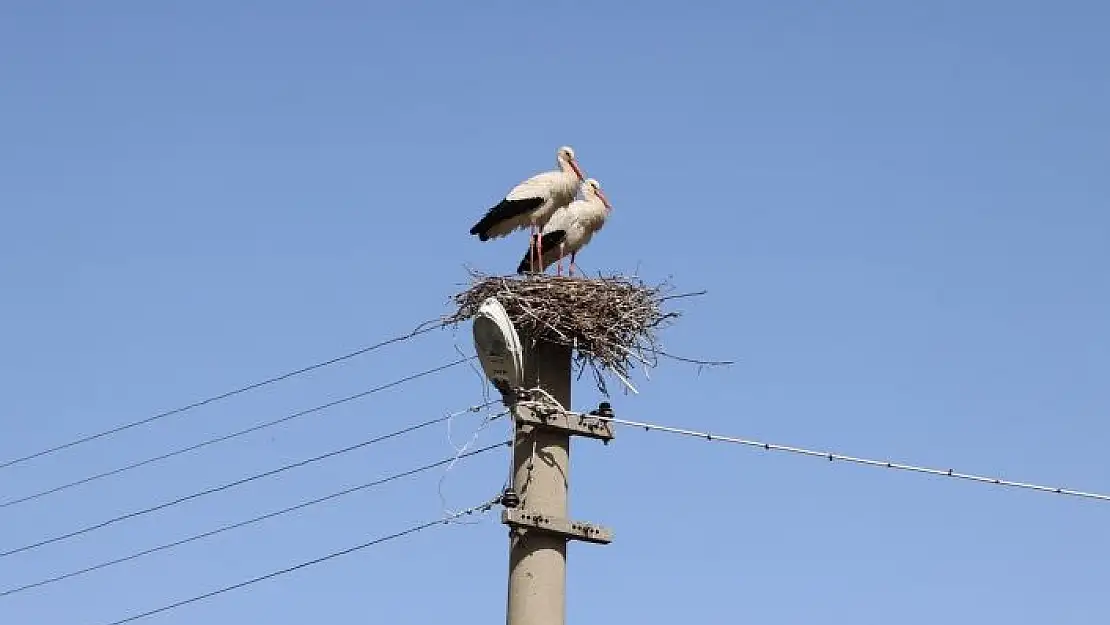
(609, 321)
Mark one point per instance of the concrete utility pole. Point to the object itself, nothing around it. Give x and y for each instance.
(540, 526)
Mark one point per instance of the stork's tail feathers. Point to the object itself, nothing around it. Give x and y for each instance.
(525, 265)
(482, 230)
(549, 243)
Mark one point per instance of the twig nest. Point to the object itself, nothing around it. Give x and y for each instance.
(610, 322)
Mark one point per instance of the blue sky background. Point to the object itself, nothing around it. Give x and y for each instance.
(899, 210)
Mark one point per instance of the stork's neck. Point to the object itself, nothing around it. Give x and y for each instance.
(595, 212)
(564, 166)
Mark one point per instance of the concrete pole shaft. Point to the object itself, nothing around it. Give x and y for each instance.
(541, 476)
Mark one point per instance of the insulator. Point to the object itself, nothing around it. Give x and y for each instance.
(509, 498)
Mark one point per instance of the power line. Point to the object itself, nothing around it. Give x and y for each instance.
(421, 329)
(257, 519)
(864, 461)
(335, 554)
(245, 431)
(216, 489)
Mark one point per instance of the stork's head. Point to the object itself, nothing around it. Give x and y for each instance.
(594, 188)
(567, 159)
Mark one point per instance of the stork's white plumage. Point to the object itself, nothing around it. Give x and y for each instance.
(570, 229)
(534, 201)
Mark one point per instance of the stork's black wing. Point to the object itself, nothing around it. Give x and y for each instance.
(506, 209)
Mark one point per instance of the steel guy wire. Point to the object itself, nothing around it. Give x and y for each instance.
(335, 554)
(427, 326)
(863, 461)
(223, 487)
(251, 521)
(236, 434)
(460, 453)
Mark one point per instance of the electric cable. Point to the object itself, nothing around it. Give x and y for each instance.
(223, 487)
(863, 461)
(251, 521)
(420, 329)
(236, 434)
(335, 554)
(550, 403)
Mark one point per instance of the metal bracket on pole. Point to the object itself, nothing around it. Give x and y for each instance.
(573, 424)
(571, 530)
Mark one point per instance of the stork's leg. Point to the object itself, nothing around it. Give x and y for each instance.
(559, 269)
(535, 249)
(532, 248)
(570, 269)
(539, 253)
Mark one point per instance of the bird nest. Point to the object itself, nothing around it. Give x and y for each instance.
(610, 322)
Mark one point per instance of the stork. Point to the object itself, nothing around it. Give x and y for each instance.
(532, 202)
(569, 229)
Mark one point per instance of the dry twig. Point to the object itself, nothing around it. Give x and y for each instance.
(609, 321)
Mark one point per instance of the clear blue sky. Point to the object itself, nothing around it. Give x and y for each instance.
(899, 210)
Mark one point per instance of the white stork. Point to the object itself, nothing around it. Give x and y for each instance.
(532, 202)
(570, 229)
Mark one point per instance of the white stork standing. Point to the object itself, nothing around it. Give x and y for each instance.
(532, 202)
(570, 229)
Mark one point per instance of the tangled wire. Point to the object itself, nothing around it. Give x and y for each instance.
(610, 322)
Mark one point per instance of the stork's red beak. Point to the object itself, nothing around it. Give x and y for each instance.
(604, 200)
(577, 170)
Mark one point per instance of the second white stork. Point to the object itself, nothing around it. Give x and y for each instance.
(532, 202)
(569, 229)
